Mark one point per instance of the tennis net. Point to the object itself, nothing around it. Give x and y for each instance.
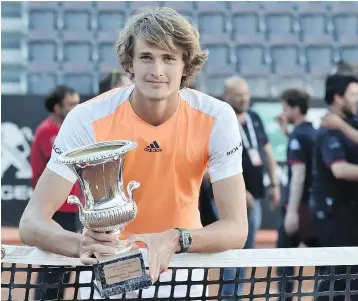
(260, 274)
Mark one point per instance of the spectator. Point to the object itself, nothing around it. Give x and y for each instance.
(256, 148)
(334, 198)
(296, 224)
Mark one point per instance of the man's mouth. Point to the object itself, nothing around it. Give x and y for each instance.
(156, 82)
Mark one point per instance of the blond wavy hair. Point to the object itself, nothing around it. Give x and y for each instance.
(168, 30)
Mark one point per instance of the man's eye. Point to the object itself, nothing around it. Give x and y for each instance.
(145, 57)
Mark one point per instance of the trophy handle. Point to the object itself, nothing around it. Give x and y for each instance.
(131, 187)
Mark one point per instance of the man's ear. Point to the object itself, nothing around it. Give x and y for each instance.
(337, 100)
(185, 71)
(57, 108)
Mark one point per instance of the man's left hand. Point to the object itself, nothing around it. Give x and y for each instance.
(161, 247)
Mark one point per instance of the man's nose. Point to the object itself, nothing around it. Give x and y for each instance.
(157, 69)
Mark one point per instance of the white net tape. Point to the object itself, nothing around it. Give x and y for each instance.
(233, 258)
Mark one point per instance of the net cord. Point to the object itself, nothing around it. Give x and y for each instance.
(233, 258)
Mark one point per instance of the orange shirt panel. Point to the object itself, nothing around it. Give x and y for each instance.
(170, 179)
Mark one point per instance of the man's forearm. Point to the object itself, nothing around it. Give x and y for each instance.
(349, 131)
(218, 237)
(296, 187)
(50, 237)
(271, 162)
(345, 171)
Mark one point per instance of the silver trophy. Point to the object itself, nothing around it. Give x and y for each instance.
(107, 208)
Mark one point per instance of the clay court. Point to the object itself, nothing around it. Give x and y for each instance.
(265, 239)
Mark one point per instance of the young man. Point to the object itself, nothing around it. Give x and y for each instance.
(296, 224)
(335, 189)
(161, 50)
(58, 104)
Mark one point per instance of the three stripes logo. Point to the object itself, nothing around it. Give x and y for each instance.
(153, 147)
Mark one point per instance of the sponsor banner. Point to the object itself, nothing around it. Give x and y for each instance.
(20, 116)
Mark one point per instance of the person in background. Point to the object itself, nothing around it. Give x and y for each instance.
(256, 148)
(296, 224)
(114, 80)
(334, 193)
(58, 104)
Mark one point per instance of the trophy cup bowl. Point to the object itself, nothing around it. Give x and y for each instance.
(107, 208)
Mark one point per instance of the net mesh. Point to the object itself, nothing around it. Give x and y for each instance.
(263, 274)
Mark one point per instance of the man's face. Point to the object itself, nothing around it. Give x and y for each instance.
(157, 72)
(350, 100)
(289, 112)
(238, 97)
(68, 103)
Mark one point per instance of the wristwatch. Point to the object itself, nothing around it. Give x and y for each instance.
(185, 240)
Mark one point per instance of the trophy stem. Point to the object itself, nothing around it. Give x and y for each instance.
(123, 248)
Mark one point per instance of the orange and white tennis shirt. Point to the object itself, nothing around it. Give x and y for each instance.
(170, 160)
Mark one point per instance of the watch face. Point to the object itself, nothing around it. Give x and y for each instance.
(187, 239)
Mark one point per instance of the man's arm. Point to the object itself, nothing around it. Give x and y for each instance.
(297, 157)
(345, 171)
(296, 186)
(291, 222)
(37, 228)
(271, 168)
(349, 132)
(225, 169)
(230, 232)
(333, 121)
(334, 156)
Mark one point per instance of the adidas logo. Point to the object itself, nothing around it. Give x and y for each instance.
(153, 147)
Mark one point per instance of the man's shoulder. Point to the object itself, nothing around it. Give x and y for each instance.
(205, 103)
(102, 105)
(254, 116)
(321, 132)
(327, 137)
(46, 127)
(253, 113)
(306, 131)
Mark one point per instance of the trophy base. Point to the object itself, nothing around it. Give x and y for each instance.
(117, 274)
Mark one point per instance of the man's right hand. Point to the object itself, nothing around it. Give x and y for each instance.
(97, 242)
(282, 121)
